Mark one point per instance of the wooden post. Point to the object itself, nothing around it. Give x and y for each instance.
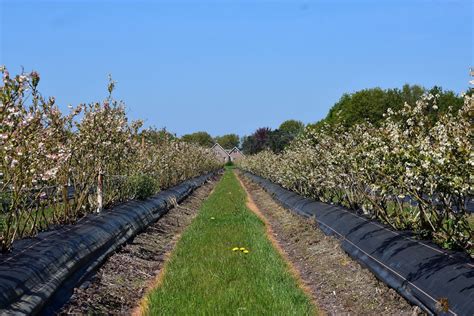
(65, 202)
(100, 199)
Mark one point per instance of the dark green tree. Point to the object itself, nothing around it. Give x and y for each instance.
(370, 104)
(156, 136)
(200, 138)
(228, 141)
(285, 134)
(248, 144)
(276, 140)
(258, 141)
(292, 127)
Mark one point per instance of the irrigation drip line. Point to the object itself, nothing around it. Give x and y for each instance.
(420, 271)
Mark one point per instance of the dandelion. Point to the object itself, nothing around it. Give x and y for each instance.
(242, 249)
(235, 248)
(245, 251)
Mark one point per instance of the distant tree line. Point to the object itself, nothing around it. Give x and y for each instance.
(371, 104)
(352, 108)
(275, 140)
(204, 139)
(156, 136)
(262, 138)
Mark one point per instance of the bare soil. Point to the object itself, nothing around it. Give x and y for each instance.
(338, 284)
(117, 287)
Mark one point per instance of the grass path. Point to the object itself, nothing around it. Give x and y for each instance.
(205, 276)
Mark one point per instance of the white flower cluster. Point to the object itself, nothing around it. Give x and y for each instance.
(40, 148)
(410, 172)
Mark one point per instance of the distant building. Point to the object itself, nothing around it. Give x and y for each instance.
(221, 153)
(226, 155)
(235, 154)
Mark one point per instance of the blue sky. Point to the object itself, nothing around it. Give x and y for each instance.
(232, 66)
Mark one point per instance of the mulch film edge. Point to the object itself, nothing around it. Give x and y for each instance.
(39, 275)
(437, 280)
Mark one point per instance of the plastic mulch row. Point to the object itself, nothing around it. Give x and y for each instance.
(419, 270)
(39, 275)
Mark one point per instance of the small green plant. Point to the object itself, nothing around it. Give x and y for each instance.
(142, 186)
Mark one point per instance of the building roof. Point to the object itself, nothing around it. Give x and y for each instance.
(237, 150)
(227, 151)
(219, 146)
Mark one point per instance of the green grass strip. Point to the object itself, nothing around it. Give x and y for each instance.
(206, 277)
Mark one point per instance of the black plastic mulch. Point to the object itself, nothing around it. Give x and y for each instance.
(40, 273)
(437, 280)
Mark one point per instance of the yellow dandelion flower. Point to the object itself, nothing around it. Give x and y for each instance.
(245, 251)
(235, 248)
(242, 249)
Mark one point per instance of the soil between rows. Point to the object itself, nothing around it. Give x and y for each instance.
(117, 287)
(338, 284)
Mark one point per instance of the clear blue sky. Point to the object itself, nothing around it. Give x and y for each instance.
(232, 66)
